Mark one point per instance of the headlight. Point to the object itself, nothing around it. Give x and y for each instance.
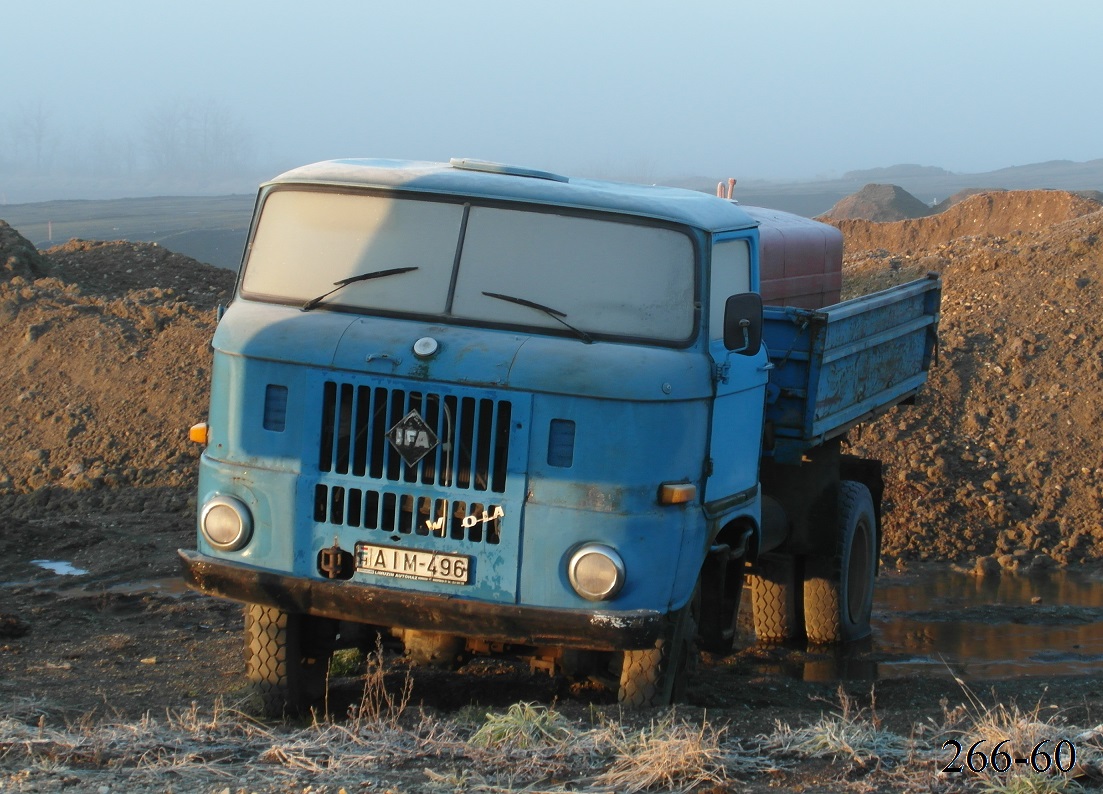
(596, 572)
(226, 523)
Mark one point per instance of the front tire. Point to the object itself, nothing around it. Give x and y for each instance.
(838, 588)
(658, 676)
(286, 662)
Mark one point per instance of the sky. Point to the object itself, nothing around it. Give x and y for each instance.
(610, 88)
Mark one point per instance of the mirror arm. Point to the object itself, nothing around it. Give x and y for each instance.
(744, 326)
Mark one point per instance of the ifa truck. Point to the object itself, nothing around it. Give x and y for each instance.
(484, 409)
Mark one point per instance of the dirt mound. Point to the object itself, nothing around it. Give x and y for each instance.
(880, 203)
(107, 365)
(115, 269)
(960, 196)
(1002, 457)
(18, 256)
(993, 213)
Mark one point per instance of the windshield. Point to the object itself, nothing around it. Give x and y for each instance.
(604, 277)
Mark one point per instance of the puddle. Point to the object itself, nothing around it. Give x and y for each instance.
(173, 586)
(60, 567)
(992, 627)
(938, 621)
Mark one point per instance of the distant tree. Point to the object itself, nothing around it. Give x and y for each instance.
(103, 153)
(192, 138)
(33, 141)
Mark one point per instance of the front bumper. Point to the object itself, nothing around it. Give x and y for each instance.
(383, 606)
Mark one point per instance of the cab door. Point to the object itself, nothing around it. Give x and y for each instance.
(735, 441)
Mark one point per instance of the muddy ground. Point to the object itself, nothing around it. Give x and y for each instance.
(106, 357)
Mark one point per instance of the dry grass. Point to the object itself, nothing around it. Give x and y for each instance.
(1028, 783)
(524, 726)
(848, 732)
(668, 755)
(525, 748)
(379, 707)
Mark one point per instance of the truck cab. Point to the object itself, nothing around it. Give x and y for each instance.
(487, 409)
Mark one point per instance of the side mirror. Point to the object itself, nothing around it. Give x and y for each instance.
(743, 323)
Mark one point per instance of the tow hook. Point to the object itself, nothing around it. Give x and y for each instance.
(335, 562)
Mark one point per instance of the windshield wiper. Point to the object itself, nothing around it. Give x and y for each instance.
(394, 271)
(553, 313)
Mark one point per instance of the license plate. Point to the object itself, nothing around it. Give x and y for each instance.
(424, 566)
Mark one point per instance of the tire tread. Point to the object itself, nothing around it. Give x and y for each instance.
(280, 676)
(774, 599)
(825, 599)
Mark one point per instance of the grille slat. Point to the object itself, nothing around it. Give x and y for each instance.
(329, 427)
(344, 428)
(360, 431)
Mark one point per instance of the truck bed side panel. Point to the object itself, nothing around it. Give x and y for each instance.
(838, 366)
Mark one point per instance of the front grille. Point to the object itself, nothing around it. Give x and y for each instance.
(473, 433)
(406, 514)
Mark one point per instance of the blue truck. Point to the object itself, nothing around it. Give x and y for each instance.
(485, 409)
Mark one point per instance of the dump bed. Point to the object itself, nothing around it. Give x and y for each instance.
(844, 364)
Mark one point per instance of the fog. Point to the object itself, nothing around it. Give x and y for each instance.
(128, 97)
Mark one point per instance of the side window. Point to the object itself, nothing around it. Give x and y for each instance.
(731, 275)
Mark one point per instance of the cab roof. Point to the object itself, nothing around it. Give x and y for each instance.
(486, 180)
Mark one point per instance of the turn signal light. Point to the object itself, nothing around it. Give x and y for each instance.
(677, 493)
(199, 433)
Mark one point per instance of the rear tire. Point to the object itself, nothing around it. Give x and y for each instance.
(658, 676)
(838, 588)
(774, 599)
(285, 661)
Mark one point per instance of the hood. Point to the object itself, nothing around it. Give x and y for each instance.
(464, 356)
